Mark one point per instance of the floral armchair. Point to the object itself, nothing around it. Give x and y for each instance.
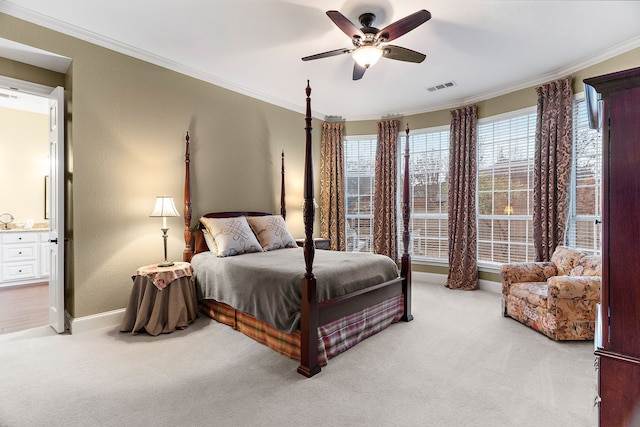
(557, 298)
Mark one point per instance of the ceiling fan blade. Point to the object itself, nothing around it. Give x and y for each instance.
(326, 54)
(402, 54)
(344, 24)
(403, 26)
(358, 71)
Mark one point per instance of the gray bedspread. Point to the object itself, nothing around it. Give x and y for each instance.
(267, 285)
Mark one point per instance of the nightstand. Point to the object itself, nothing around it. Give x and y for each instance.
(162, 299)
(319, 242)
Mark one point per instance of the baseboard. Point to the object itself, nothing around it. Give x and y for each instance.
(432, 278)
(95, 321)
(441, 279)
(490, 286)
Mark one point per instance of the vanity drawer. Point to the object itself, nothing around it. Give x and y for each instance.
(19, 252)
(11, 238)
(19, 270)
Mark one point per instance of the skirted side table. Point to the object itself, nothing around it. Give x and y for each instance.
(162, 300)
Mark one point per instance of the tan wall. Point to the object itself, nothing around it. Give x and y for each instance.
(125, 136)
(24, 151)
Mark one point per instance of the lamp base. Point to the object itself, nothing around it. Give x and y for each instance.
(165, 264)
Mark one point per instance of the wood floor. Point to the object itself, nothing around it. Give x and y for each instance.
(24, 307)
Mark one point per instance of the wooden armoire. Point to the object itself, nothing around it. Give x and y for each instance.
(618, 350)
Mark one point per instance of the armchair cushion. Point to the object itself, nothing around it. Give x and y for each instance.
(531, 292)
(520, 272)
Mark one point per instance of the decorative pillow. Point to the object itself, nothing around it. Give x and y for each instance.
(232, 236)
(271, 232)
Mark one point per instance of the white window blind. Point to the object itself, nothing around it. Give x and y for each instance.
(505, 188)
(359, 158)
(584, 229)
(429, 189)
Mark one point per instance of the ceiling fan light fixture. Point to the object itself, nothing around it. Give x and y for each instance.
(369, 43)
(366, 56)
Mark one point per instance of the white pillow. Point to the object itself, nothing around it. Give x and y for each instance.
(232, 236)
(271, 232)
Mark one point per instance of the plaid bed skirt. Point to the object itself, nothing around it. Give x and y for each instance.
(333, 338)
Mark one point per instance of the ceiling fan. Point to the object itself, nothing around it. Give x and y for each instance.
(370, 43)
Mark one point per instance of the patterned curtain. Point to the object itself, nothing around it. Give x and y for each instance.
(552, 166)
(385, 235)
(332, 217)
(463, 264)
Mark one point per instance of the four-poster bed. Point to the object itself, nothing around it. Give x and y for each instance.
(338, 298)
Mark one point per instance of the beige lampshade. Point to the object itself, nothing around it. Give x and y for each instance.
(164, 207)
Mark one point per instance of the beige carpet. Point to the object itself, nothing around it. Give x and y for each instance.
(459, 363)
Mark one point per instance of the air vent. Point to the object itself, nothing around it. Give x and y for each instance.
(441, 86)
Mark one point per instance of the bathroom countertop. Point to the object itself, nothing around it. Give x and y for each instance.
(22, 230)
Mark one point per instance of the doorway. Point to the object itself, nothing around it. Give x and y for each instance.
(31, 287)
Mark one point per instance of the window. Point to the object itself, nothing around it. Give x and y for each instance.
(505, 153)
(359, 159)
(505, 188)
(583, 232)
(429, 190)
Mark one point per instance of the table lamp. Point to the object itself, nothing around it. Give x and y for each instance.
(164, 207)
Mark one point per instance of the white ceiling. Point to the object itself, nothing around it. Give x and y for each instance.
(255, 46)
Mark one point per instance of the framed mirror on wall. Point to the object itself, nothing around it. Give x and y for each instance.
(47, 197)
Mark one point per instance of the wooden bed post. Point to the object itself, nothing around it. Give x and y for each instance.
(405, 266)
(187, 253)
(283, 205)
(309, 307)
